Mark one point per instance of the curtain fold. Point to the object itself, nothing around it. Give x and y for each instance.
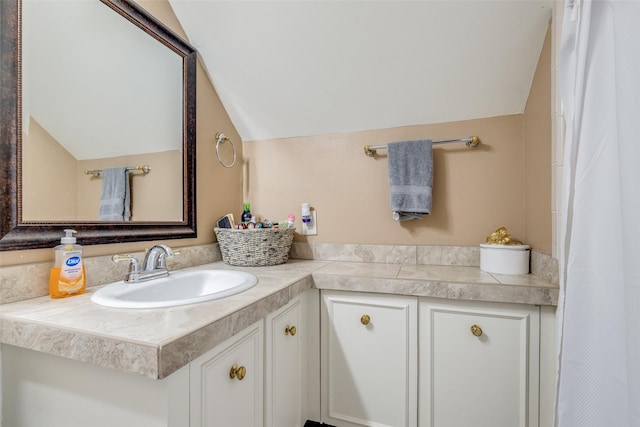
(599, 304)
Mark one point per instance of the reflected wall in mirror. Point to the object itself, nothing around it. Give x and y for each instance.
(136, 119)
(88, 85)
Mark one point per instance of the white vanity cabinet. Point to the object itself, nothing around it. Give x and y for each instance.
(39, 389)
(479, 364)
(259, 376)
(344, 358)
(369, 359)
(235, 384)
(285, 385)
(226, 382)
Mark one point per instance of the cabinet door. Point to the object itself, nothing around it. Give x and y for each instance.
(284, 376)
(226, 382)
(478, 364)
(369, 359)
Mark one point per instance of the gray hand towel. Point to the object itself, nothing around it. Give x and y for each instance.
(115, 203)
(410, 178)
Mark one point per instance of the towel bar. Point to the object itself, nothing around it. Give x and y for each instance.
(144, 168)
(472, 142)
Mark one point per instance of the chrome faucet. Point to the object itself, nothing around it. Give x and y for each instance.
(156, 258)
(155, 264)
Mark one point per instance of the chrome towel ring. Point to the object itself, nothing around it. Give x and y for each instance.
(221, 138)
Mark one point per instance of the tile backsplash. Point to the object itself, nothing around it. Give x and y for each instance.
(101, 270)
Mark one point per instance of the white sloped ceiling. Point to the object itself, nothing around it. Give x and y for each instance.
(296, 68)
(100, 86)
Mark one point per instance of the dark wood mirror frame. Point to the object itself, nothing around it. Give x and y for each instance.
(15, 234)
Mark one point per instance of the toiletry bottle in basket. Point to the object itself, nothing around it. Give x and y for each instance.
(246, 213)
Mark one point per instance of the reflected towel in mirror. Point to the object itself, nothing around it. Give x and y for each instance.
(115, 201)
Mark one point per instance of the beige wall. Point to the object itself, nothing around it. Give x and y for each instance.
(56, 186)
(219, 190)
(49, 176)
(156, 196)
(537, 153)
(475, 190)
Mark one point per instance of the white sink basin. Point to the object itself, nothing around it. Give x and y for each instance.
(180, 287)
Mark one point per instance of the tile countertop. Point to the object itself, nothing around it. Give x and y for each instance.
(156, 342)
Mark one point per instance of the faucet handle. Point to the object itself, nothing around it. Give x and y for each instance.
(134, 264)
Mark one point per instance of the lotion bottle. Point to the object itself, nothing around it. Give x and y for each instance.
(67, 276)
(306, 213)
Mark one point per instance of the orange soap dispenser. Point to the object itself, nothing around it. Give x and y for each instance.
(67, 275)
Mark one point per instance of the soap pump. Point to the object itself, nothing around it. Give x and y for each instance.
(67, 276)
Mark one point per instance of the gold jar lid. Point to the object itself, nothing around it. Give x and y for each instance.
(502, 237)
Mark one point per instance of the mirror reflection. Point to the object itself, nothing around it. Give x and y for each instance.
(98, 93)
(18, 228)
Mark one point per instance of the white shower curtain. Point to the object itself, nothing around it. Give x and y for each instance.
(599, 307)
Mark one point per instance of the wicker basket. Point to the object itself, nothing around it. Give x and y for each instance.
(257, 247)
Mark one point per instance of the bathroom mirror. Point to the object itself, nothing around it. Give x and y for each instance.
(28, 217)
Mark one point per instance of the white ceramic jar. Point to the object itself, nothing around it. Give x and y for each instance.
(504, 259)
